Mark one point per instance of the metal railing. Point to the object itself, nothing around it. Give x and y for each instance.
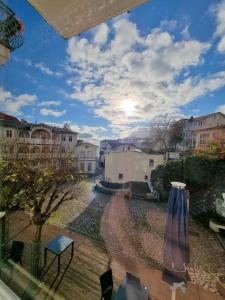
(11, 28)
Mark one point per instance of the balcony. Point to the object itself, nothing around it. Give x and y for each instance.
(35, 141)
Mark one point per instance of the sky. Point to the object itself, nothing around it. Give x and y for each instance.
(114, 80)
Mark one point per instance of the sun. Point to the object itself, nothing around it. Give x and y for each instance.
(128, 107)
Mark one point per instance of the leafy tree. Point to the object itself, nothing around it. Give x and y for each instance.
(211, 150)
(41, 190)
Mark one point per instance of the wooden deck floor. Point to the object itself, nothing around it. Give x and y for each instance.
(79, 278)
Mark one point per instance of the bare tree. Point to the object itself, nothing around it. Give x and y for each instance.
(176, 133)
(166, 132)
(160, 131)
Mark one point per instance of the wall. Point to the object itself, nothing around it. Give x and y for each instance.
(133, 165)
(87, 154)
(213, 134)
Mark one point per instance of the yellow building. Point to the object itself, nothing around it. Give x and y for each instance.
(202, 137)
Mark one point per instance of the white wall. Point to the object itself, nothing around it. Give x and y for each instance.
(134, 166)
(87, 155)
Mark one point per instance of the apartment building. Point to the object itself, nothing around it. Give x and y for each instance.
(41, 142)
(201, 137)
(134, 165)
(87, 157)
(193, 127)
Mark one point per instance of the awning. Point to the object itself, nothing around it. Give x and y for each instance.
(71, 17)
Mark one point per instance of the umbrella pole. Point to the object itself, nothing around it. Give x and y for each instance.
(173, 293)
(175, 286)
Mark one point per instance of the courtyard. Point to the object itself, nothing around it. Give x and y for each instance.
(135, 228)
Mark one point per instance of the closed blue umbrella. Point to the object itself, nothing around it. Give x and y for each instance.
(176, 247)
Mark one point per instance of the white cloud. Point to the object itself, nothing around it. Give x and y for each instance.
(51, 112)
(13, 104)
(151, 72)
(49, 103)
(221, 108)
(220, 25)
(28, 62)
(46, 70)
(101, 34)
(185, 32)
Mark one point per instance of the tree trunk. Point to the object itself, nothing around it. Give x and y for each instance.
(36, 252)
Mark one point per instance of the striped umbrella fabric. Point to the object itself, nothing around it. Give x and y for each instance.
(176, 243)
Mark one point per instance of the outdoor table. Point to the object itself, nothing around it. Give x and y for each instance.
(57, 246)
(131, 290)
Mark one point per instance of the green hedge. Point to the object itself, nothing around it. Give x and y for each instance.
(198, 173)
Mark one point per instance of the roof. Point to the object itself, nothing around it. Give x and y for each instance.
(205, 116)
(7, 117)
(10, 121)
(71, 17)
(81, 142)
(54, 128)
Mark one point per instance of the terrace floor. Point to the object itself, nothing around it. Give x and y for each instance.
(79, 278)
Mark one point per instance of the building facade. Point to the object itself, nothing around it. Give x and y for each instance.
(122, 167)
(202, 137)
(108, 146)
(192, 125)
(87, 157)
(41, 142)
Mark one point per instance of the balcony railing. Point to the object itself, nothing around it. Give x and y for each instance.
(35, 141)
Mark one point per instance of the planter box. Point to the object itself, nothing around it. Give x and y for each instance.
(220, 285)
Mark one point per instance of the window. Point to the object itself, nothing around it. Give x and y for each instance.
(146, 177)
(82, 154)
(86, 146)
(63, 150)
(89, 167)
(151, 162)
(82, 166)
(128, 148)
(204, 138)
(120, 176)
(89, 153)
(23, 134)
(8, 133)
(63, 138)
(70, 138)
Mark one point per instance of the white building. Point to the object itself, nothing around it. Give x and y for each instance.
(41, 142)
(121, 167)
(87, 157)
(108, 146)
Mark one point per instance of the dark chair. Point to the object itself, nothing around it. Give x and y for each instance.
(106, 281)
(133, 278)
(14, 256)
(16, 251)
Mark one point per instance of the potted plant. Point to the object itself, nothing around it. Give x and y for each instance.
(220, 285)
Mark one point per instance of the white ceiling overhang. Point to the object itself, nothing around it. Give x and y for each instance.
(71, 17)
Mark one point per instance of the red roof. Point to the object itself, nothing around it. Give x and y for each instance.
(7, 117)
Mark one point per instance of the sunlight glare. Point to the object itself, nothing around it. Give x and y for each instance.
(128, 106)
